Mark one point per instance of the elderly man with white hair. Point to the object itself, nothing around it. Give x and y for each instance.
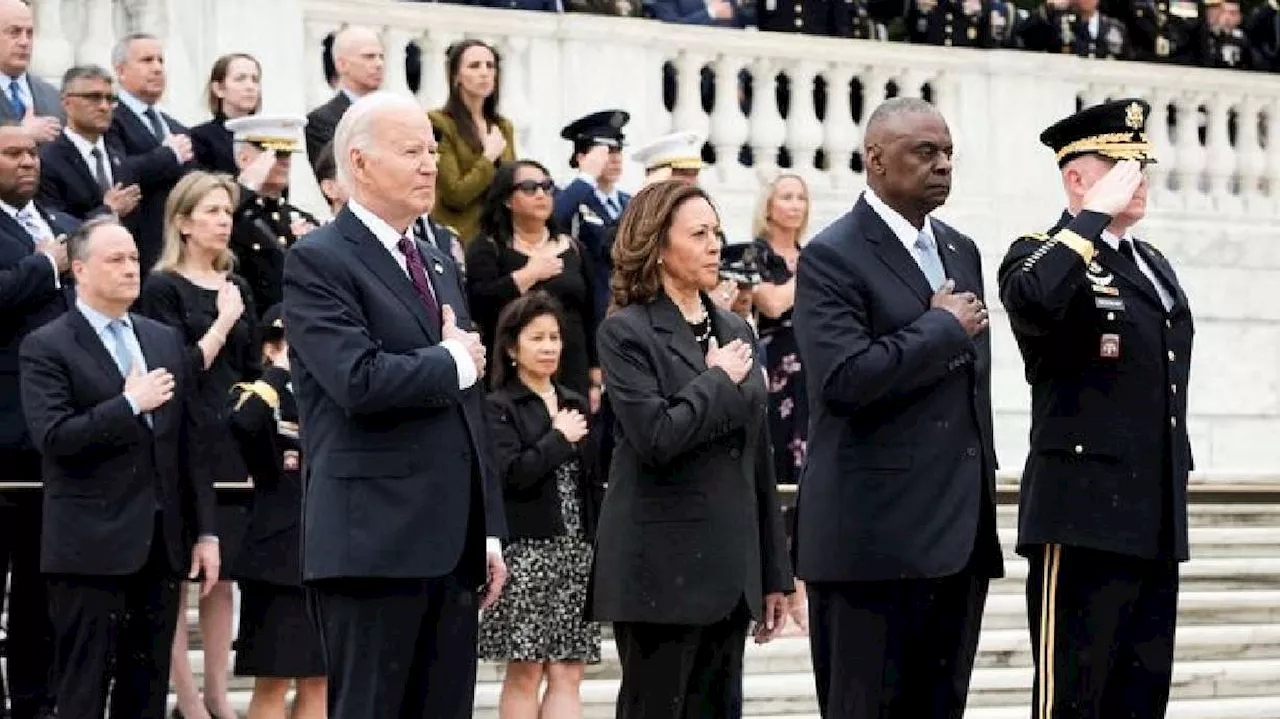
(359, 60)
(402, 510)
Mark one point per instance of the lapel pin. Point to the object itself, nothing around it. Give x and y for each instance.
(951, 247)
(439, 268)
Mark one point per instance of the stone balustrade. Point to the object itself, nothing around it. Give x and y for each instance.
(1215, 195)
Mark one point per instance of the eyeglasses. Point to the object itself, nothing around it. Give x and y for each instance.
(95, 97)
(531, 187)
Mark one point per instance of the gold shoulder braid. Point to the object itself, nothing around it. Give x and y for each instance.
(260, 388)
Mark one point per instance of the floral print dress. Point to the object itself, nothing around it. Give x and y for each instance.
(788, 401)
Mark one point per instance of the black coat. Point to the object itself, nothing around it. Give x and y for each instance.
(1060, 31)
(950, 24)
(264, 421)
(156, 170)
(899, 481)
(321, 122)
(1109, 451)
(67, 183)
(261, 234)
(395, 452)
(1162, 30)
(526, 454)
(214, 147)
(1263, 31)
(690, 524)
(29, 299)
(99, 502)
(835, 18)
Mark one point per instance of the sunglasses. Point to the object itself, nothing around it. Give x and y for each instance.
(531, 187)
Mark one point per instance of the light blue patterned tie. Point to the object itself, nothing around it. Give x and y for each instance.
(15, 98)
(124, 358)
(930, 264)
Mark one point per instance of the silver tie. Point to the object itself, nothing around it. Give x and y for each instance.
(930, 263)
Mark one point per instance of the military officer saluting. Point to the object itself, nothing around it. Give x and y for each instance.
(591, 205)
(1161, 30)
(1075, 27)
(1105, 333)
(1226, 44)
(677, 156)
(265, 225)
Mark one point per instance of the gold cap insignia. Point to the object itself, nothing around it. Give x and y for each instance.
(1133, 116)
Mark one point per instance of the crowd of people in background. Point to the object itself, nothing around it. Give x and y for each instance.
(98, 160)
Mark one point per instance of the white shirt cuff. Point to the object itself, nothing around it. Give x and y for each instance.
(57, 281)
(493, 545)
(467, 375)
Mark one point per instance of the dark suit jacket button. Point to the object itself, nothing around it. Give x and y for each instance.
(735, 453)
(972, 451)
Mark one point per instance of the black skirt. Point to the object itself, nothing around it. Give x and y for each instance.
(277, 637)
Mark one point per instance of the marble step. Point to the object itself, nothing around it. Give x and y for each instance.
(1200, 574)
(1258, 606)
(1206, 542)
(1199, 514)
(1264, 707)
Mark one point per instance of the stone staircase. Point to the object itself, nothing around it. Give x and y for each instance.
(1227, 657)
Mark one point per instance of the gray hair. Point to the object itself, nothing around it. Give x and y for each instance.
(84, 72)
(895, 108)
(78, 240)
(120, 52)
(355, 129)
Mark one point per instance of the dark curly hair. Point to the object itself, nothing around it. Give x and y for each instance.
(643, 233)
(506, 338)
(495, 216)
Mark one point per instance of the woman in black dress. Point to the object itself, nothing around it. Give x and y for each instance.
(235, 90)
(689, 546)
(277, 644)
(192, 289)
(517, 251)
(546, 460)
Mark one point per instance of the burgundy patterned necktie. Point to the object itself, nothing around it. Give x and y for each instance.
(418, 274)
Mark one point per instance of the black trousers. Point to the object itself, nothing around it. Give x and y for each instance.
(676, 671)
(30, 633)
(113, 638)
(899, 649)
(1102, 631)
(398, 648)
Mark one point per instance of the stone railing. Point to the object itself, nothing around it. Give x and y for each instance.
(1215, 197)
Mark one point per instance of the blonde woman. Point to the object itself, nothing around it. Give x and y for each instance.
(192, 288)
(779, 226)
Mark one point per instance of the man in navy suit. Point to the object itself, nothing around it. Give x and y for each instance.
(402, 511)
(80, 174)
(157, 150)
(34, 289)
(896, 532)
(127, 510)
(27, 99)
(591, 205)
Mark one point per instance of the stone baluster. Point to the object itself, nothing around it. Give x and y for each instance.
(688, 115)
(1220, 158)
(394, 41)
(99, 34)
(1160, 174)
(54, 53)
(435, 72)
(1192, 159)
(1272, 176)
(729, 129)
(1250, 162)
(841, 135)
(768, 129)
(515, 92)
(318, 90)
(804, 132)
(911, 82)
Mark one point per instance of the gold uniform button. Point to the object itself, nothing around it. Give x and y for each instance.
(1173, 421)
(799, 22)
(1079, 449)
(1173, 388)
(256, 247)
(1168, 324)
(1172, 356)
(1111, 315)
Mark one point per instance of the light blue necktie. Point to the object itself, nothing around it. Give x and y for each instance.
(15, 98)
(26, 217)
(124, 358)
(930, 263)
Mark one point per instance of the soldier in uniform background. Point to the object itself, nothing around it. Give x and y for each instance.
(1074, 27)
(1161, 30)
(590, 206)
(857, 19)
(677, 156)
(265, 225)
(959, 23)
(1263, 31)
(1105, 334)
(1225, 43)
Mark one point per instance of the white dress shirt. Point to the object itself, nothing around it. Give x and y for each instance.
(390, 239)
(86, 148)
(902, 229)
(46, 232)
(1114, 243)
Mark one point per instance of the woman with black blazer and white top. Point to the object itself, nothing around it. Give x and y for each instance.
(690, 545)
(546, 461)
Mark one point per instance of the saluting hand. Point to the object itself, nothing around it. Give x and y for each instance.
(965, 307)
(734, 358)
(470, 340)
(1111, 194)
(594, 161)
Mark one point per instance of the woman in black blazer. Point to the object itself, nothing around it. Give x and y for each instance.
(551, 492)
(690, 546)
(234, 90)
